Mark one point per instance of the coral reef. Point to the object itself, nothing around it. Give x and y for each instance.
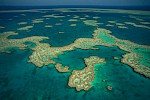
(54, 16)
(72, 25)
(123, 27)
(80, 79)
(25, 28)
(22, 23)
(61, 69)
(37, 20)
(6, 44)
(109, 88)
(48, 26)
(72, 20)
(136, 25)
(91, 22)
(42, 52)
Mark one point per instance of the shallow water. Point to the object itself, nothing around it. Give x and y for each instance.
(22, 80)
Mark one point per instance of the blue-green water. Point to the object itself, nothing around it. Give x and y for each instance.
(134, 34)
(20, 80)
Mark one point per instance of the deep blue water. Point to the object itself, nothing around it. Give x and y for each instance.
(140, 7)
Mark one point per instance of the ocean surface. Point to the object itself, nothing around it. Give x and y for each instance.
(20, 80)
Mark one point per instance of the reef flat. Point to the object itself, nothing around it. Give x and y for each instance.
(72, 20)
(60, 68)
(25, 28)
(22, 23)
(7, 44)
(37, 21)
(135, 25)
(91, 22)
(81, 78)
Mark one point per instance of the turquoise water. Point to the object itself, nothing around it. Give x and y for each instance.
(75, 58)
(24, 81)
(20, 80)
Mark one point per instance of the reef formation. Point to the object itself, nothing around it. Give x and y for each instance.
(43, 54)
(81, 78)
